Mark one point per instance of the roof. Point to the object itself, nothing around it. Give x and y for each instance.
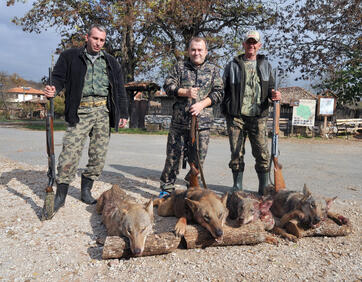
(25, 90)
(142, 86)
(295, 93)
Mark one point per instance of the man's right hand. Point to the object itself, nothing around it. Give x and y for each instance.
(49, 91)
(192, 92)
(188, 92)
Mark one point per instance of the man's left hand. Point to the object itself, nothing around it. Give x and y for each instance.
(122, 122)
(276, 95)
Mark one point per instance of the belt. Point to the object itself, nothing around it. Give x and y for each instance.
(92, 104)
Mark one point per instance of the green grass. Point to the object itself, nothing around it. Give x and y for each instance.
(140, 131)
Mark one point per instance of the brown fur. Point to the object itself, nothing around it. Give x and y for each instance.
(303, 208)
(200, 205)
(123, 217)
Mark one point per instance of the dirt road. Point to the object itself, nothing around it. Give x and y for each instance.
(67, 247)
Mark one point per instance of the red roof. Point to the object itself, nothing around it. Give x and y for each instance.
(25, 90)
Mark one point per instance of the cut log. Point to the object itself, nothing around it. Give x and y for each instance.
(326, 228)
(156, 244)
(250, 234)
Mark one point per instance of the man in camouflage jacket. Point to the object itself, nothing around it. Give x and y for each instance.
(196, 86)
(95, 101)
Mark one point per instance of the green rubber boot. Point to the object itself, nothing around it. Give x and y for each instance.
(238, 181)
(263, 182)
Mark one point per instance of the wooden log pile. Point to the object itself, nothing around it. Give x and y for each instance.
(195, 237)
(198, 237)
(326, 228)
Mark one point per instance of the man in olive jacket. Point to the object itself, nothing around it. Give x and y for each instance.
(248, 84)
(95, 102)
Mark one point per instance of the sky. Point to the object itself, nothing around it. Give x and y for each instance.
(24, 53)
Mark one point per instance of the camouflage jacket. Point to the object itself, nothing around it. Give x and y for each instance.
(185, 75)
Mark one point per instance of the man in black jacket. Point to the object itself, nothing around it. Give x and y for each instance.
(95, 101)
(248, 84)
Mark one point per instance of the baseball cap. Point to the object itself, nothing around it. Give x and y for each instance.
(252, 34)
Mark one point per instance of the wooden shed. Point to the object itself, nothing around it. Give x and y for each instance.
(139, 95)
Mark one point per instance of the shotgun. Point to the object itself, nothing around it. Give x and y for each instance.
(278, 176)
(48, 209)
(192, 150)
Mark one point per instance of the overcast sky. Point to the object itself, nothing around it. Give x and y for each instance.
(27, 54)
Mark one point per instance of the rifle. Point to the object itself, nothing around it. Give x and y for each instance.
(48, 209)
(192, 152)
(278, 176)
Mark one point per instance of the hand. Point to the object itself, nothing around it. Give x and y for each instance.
(49, 91)
(122, 122)
(196, 108)
(276, 95)
(192, 92)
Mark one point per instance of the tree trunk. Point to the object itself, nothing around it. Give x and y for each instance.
(156, 244)
(327, 228)
(250, 234)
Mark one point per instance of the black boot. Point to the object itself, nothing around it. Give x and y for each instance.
(238, 181)
(263, 182)
(85, 194)
(59, 200)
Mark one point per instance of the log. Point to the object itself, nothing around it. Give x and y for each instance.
(326, 228)
(250, 234)
(156, 244)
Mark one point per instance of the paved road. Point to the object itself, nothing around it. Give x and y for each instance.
(327, 169)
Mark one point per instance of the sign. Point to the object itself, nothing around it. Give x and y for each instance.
(326, 106)
(304, 114)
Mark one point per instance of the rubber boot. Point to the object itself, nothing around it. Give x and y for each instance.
(60, 195)
(263, 182)
(238, 181)
(85, 194)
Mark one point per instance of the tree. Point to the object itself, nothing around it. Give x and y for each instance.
(346, 83)
(173, 23)
(322, 38)
(72, 18)
(147, 34)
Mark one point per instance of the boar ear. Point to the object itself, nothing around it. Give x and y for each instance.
(193, 205)
(149, 207)
(224, 199)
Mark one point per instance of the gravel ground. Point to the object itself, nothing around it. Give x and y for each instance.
(66, 249)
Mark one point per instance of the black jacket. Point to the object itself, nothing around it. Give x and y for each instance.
(69, 73)
(234, 85)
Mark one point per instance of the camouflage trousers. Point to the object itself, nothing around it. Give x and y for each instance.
(256, 130)
(176, 141)
(94, 122)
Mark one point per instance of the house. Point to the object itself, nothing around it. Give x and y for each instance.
(139, 95)
(24, 102)
(290, 95)
(22, 94)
